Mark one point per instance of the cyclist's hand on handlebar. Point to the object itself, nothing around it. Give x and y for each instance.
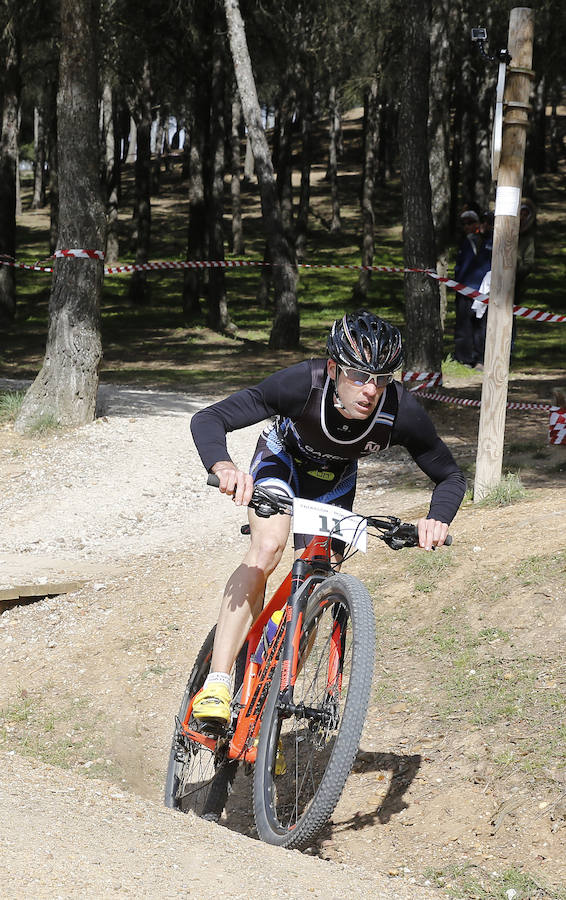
(432, 533)
(233, 481)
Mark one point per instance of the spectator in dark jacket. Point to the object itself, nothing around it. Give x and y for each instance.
(472, 263)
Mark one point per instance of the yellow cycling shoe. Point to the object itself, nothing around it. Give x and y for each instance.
(212, 704)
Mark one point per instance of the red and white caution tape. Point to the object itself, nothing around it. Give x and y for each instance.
(79, 254)
(557, 426)
(186, 264)
(443, 398)
(7, 261)
(466, 401)
(420, 380)
(521, 312)
(536, 315)
(457, 286)
(557, 417)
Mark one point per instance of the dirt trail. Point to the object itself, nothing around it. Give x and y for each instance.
(91, 679)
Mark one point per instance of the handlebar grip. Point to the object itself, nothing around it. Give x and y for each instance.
(213, 480)
(448, 540)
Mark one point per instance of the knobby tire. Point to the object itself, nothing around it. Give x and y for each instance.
(198, 780)
(290, 809)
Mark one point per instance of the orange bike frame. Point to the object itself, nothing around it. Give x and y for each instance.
(257, 678)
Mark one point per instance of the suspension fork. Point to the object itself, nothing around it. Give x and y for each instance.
(337, 647)
(296, 607)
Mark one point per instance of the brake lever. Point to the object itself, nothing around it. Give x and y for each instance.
(397, 543)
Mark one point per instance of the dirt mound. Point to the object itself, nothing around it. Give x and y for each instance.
(460, 778)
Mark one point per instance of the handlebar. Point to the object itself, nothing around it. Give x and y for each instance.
(395, 533)
(265, 503)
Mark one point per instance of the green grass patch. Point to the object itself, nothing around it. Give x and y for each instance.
(536, 569)
(428, 568)
(509, 490)
(66, 737)
(10, 405)
(473, 882)
(42, 424)
(479, 682)
(452, 368)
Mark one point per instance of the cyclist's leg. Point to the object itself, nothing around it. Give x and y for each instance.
(243, 597)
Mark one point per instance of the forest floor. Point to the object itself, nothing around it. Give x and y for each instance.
(459, 788)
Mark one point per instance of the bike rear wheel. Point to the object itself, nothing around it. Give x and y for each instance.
(198, 779)
(320, 742)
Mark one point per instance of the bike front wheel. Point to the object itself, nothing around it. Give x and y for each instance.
(198, 779)
(303, 760)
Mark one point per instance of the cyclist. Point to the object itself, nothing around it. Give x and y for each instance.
(326, 414)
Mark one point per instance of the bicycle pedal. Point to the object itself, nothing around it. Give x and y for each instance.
(212, 728)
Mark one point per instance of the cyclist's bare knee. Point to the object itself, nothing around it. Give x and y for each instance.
(268, 539)
(266, 552)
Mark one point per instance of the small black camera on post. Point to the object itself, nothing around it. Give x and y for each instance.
(479, 34)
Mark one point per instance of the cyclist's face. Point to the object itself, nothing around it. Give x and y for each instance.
(359, 401)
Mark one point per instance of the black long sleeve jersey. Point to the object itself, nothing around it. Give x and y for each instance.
(300, 400)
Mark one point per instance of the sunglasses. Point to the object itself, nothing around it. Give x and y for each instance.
(358, 377)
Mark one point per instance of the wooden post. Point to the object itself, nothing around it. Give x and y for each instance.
(491, 434)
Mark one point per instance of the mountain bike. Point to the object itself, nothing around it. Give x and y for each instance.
(301, 697)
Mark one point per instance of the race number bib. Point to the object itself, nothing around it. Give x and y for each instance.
(310, 517)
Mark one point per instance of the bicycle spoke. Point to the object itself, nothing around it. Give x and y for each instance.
(310, 741)
(319, 734)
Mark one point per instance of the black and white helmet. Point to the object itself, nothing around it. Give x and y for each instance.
(365, 341)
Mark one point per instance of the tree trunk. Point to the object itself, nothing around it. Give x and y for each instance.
(39, 144)
(371, 141)
(196, 230)
(112, 161)
(537, 136)
(130, 143)
(455, 163)
(334, 131)
(306, 165)
(186, 157)
(218, 318)
(285, 331)
(485, 101)
(65, 389)
(439, 127)
(555, 143)
(249, 169)
(388, 137)
(439, 124)
(468, 161)
(422, 306)
(165, 116)
(238, 246)
(18, 184)
(122, 128)
(139, 288)
(53, 169)
(265, 280)
(8, 172)
(161, 127)
(284, 157)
